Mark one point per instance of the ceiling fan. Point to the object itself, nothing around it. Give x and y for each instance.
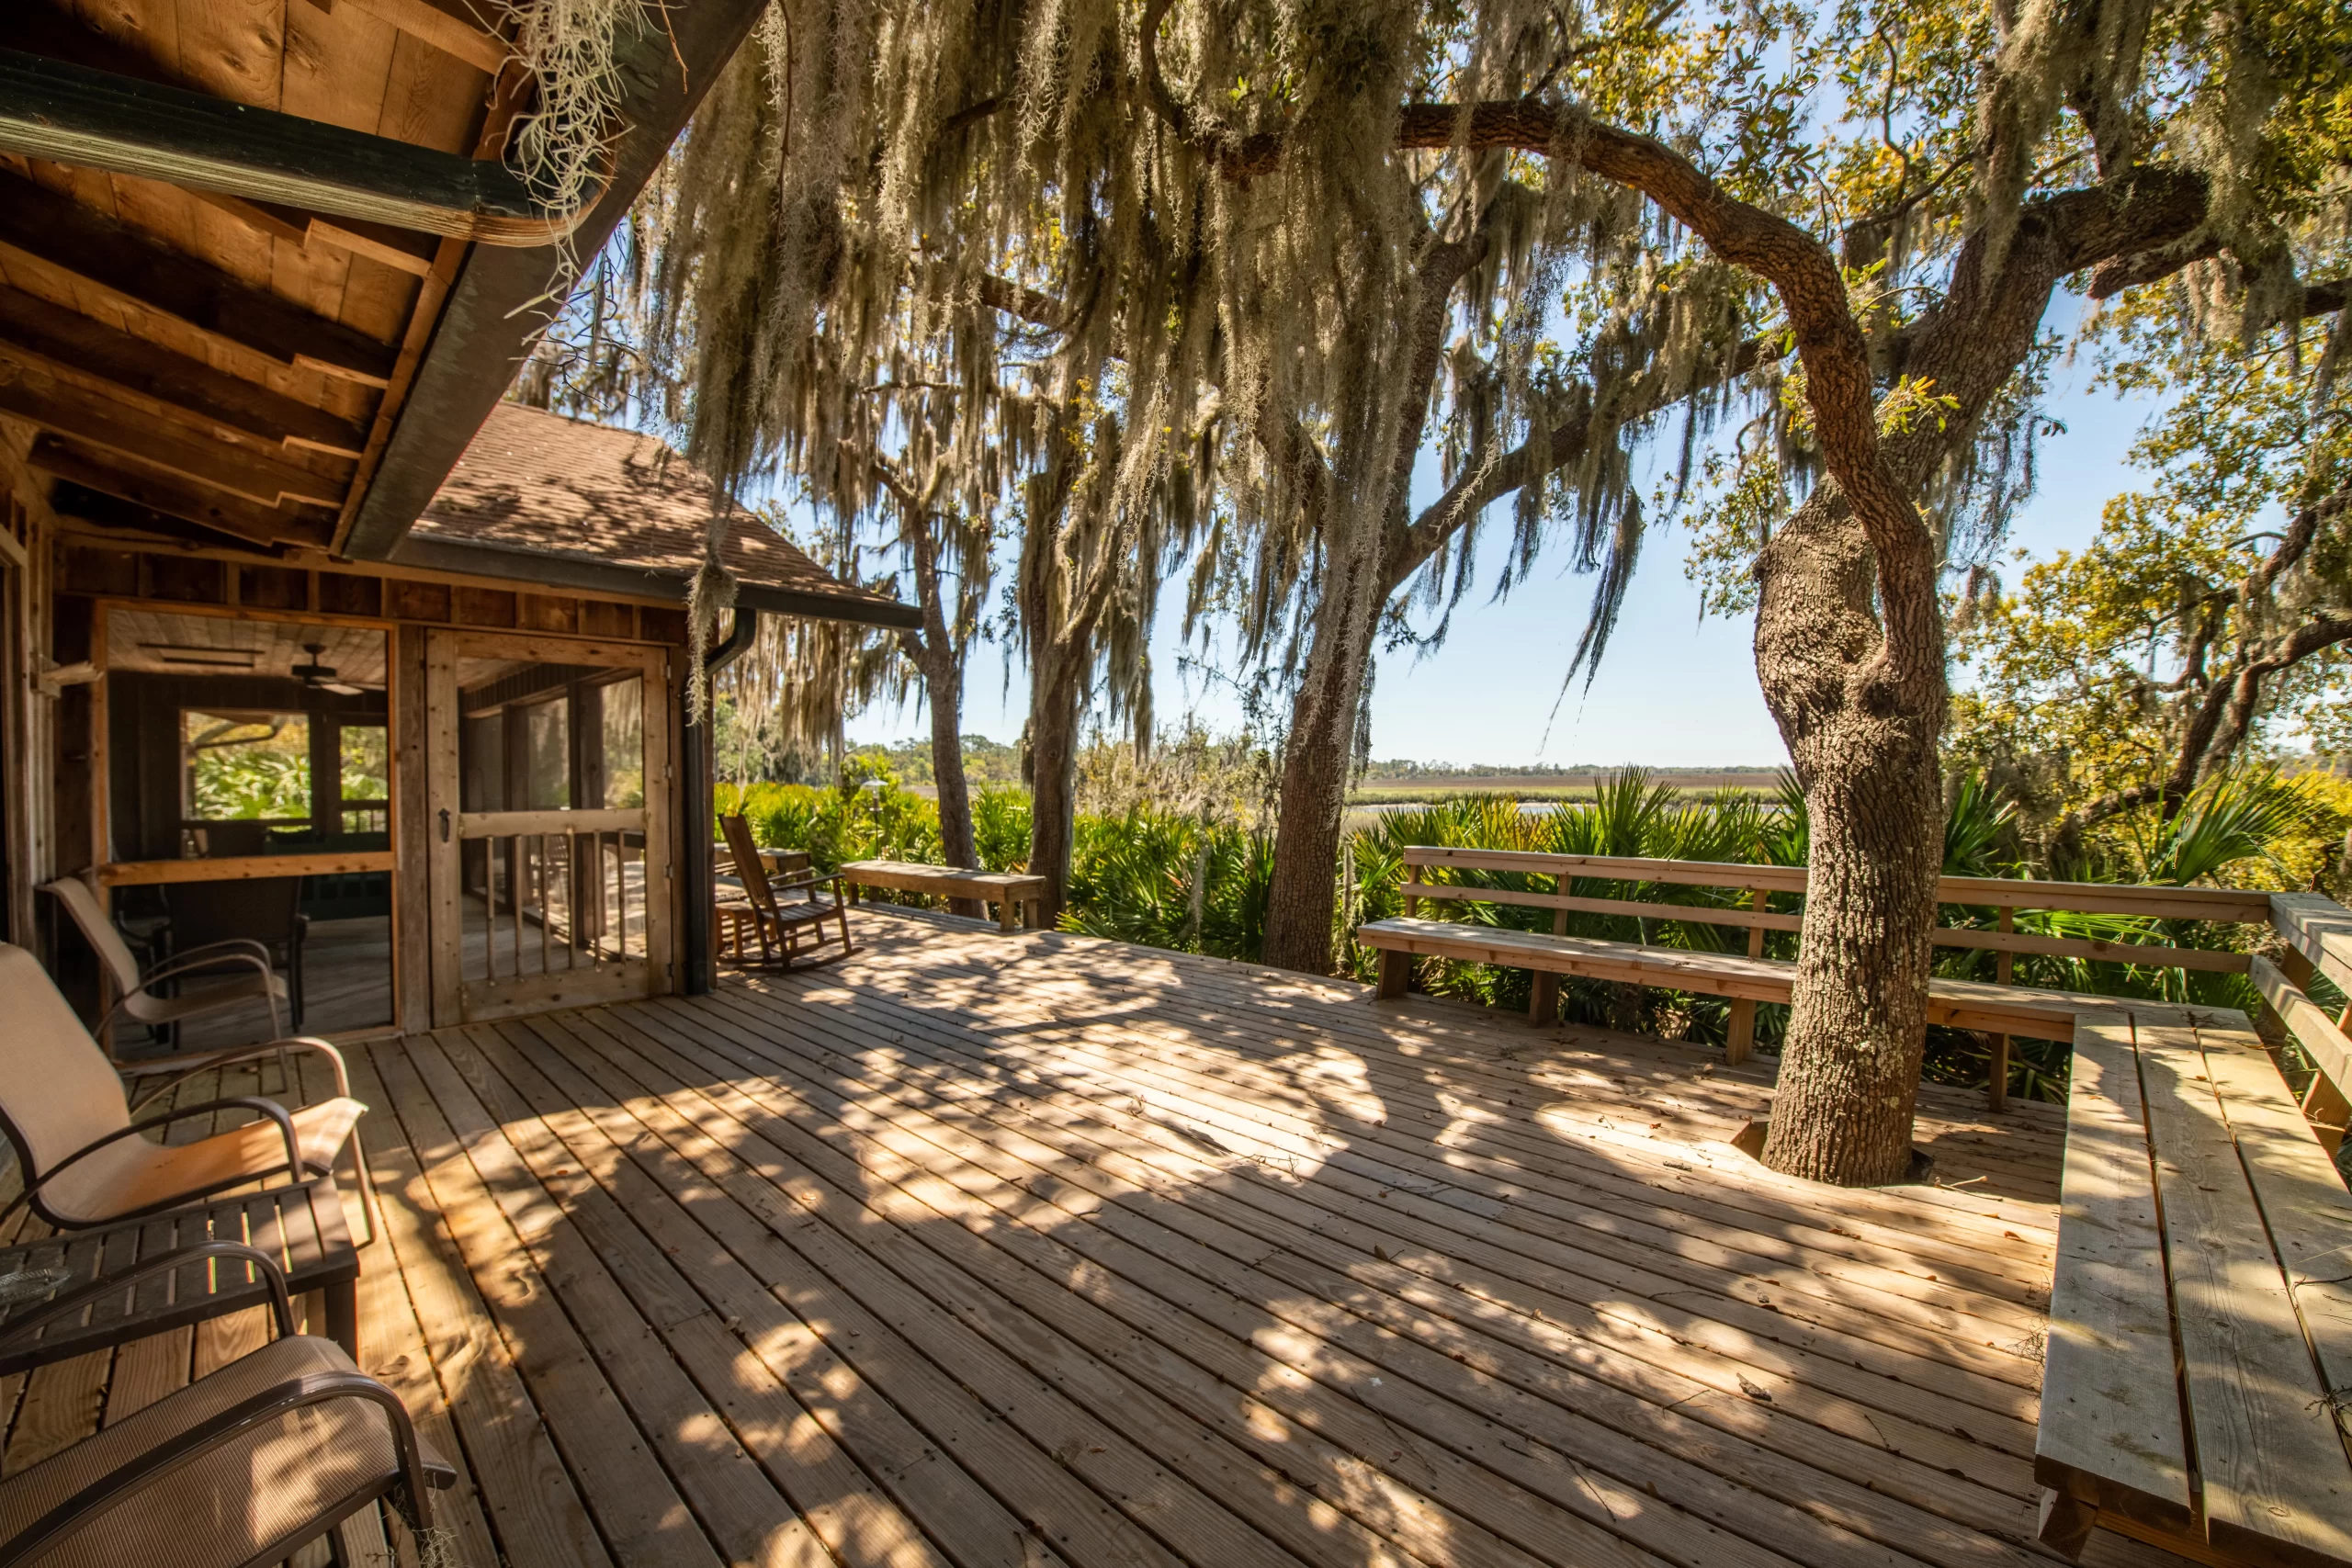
(320, 677)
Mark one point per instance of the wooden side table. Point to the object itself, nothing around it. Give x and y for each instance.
(301, 1227)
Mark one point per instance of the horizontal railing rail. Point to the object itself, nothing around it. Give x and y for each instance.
(2316, 932)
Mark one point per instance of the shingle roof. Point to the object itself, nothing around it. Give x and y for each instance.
(538, 484)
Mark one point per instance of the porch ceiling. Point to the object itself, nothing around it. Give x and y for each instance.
(276, 366)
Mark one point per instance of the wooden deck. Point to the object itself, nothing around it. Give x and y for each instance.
(1008, 1252)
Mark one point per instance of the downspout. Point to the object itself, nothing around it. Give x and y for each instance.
(699, 802)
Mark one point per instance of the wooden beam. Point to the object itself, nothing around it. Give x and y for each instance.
(60, 231)
(449, 26)
(59, 37)
(32, 327)
(410, 252)
(2330, 1052)
(2318, 927)
(65, 459)
(78, 503)
(40, 399)
(53, 109)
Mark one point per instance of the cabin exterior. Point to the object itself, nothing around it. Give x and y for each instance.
(299, 625)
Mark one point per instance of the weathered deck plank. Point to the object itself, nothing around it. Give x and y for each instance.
(1048, 1253)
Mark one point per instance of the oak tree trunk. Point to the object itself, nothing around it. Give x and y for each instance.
(1057, 694)
(935, 653)
(957, 843)
(1865, 754)
(1320, 754)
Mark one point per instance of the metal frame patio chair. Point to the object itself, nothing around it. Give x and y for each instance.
(85, 1162)
(243, 1467)
(235, 972)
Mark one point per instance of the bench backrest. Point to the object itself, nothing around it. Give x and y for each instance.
(1760, 883)
(2317, 930)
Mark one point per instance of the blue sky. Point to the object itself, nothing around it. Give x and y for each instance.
(1673, 691)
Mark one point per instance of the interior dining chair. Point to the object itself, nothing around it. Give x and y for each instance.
(87, 1162)
(243, 1467)
(204, 980)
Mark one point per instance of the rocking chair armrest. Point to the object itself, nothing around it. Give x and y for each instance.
(268, 1108)
(141, 1470)
(71, 1303)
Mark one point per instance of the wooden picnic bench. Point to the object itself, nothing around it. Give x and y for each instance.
(1004, 888)
(2200, 1318)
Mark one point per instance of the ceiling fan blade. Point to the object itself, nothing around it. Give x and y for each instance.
(340, 690)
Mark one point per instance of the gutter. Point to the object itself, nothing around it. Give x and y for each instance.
(584, 576)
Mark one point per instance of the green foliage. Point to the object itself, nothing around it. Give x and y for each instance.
(2087, 678)
(244, 769)
(1185, 880)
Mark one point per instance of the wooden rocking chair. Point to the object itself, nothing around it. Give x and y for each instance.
(788, 915)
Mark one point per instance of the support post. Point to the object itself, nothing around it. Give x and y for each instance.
(1741, 1038)
(1396, 969)
(1996, 1091)
(1544, 1006)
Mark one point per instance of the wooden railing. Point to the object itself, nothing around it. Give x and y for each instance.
(2315, 929)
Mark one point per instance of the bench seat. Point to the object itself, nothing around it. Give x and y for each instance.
(1007, 890)
(1962, 1004)
(2198, 1303)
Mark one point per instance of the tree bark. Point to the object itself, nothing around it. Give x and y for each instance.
(1849, 1070)
(1319, 754)
(1056, 702)
(934, 654)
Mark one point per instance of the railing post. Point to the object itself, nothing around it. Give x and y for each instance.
(1543, 1006)
(1740, 1038)
(1997, 1092)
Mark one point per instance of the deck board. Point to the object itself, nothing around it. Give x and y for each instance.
(971, 1251)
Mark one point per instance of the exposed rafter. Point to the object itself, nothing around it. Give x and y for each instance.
(450, 26)
(103, 472)
(33, 330)
(80, 503)
(57, 229)
(40, 399)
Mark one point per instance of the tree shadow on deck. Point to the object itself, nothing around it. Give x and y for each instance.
(1057, 1249)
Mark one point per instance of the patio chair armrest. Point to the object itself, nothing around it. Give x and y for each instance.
(251, 944)
(71, 1303)
(209, 957)
(268, 1108)
(143, 1471)
(211, 1059)
(186, 963)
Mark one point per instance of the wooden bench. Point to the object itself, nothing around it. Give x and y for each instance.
(1005, 889)
(1996, 1008)
(2201, 1317)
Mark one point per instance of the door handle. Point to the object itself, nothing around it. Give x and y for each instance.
(445, 824)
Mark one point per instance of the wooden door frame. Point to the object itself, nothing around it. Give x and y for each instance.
(444, 938)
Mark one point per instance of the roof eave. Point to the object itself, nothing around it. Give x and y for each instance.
(433, 554)
(486, 326)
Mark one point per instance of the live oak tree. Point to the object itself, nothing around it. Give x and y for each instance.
(1291, 246)
(2209, 618)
